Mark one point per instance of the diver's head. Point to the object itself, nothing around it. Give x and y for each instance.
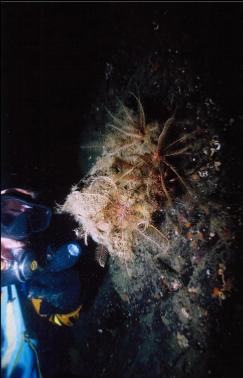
(21, 216)
(23, 221)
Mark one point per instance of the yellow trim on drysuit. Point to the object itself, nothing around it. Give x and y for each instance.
(65, 319)
(58, 319)
(36, 302)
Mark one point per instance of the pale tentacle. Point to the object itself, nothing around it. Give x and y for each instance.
(122, 149)
(125, 132)
(126, 111)
(116, 120)
(159, 232)
(162, 181)
(178, 152)
(163, 134)
(142, 121)
(179, 176)
(127, 173)
(181, 139)
(151, 240)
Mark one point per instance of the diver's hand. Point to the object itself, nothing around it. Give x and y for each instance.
(61, 290)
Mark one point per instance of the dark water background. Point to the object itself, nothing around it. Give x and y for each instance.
(54, 59)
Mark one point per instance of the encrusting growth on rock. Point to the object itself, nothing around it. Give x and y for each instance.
(132, 180)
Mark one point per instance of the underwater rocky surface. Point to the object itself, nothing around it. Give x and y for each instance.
(158, 314)
(171, 313)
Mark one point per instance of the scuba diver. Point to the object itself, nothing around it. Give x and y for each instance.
(43, 271)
